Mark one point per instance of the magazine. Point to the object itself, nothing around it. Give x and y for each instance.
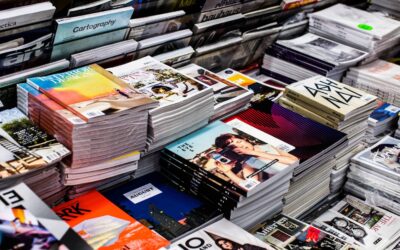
(222, 234)
(106, 227)
(25, 147)
(28, 223)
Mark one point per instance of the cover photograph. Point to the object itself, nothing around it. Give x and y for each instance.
(27, 223)
(236, 152)
(24, 146)
(89, 92)
(161, 207)
(221, 235)
(106, 227)
(157, 80)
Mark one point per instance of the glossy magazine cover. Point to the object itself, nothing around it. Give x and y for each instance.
(89, 92)
(236, 152)
(26, 222)
(310, 139)
(160, 206)
(385, 112)
(221, 235)
(106, 227)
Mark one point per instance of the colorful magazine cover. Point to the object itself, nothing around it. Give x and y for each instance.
(157, 80)
(236, 152)
(385, 112)
(104, 226)
(89, 92)
(161, 207)
(27, 223)
(311, 137)
(221, 235)
(24, 146)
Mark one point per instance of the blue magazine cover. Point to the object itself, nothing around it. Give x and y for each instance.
(384, 113)
(161, 207)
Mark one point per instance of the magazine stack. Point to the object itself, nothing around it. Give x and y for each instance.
(308, 55)
(357, 28)
(334, 104)
(83, 108)
(180, 97)
(228, 97)
(360, 224)
(385, 6)
(379, 78)
(382, 122)
(374, 174)
(284, 232)
(30, 155)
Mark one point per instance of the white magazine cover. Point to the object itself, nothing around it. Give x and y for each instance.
(159, 81)
(382, 157)
(220, 235)
(370, 227)
(360, 20)
(380, 70)
(324, 49)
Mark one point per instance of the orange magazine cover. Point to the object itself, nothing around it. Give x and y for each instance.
(106, 227)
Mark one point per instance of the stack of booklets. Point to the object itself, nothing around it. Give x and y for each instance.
(104, 225)
(249, 142)
(28, 223)
(285, 232)
(381, 122)
(83, 108)
(222, 234)
(186, 104)
(379, 78)
(162, 207)
(375, 172)
(29, 154)
(357, 28)
(147, 164)
(360, 224)
(228, 97)
(386, 6)
(308, 55)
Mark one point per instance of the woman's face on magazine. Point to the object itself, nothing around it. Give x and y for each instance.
(240, 143)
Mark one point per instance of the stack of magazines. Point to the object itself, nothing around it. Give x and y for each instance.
(305, 56)
(374, 173)
(381, 122)
(386, 6)
(185, 103)
(228, 97)
(83, 108)
(360, 224)
(357, 28)
(379, 78)
(284, 232)
(29, 154)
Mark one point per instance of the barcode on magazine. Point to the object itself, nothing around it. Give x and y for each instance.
(76, 120)
(51, 157)
(249, 183)
(62, 151)
(392, 109)
(91, 114)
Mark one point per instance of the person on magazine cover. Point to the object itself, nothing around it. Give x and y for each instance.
(389, 154)
(226, 244)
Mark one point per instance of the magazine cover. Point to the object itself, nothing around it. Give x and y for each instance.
(222, 235)
(24, 146)
(104, 226)
(331, 96)
(385, 113)
(370, 227)
(379, 70)
(89, 92)
(69, 29)
(158, 81)
(224, 90)
(27, 223)
(382, 157)
(235, 152)
(284, 232)
(324, 49)
(311, 138)
(158, 205)
(262, 91)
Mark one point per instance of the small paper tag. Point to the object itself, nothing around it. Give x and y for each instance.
(143, 193)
